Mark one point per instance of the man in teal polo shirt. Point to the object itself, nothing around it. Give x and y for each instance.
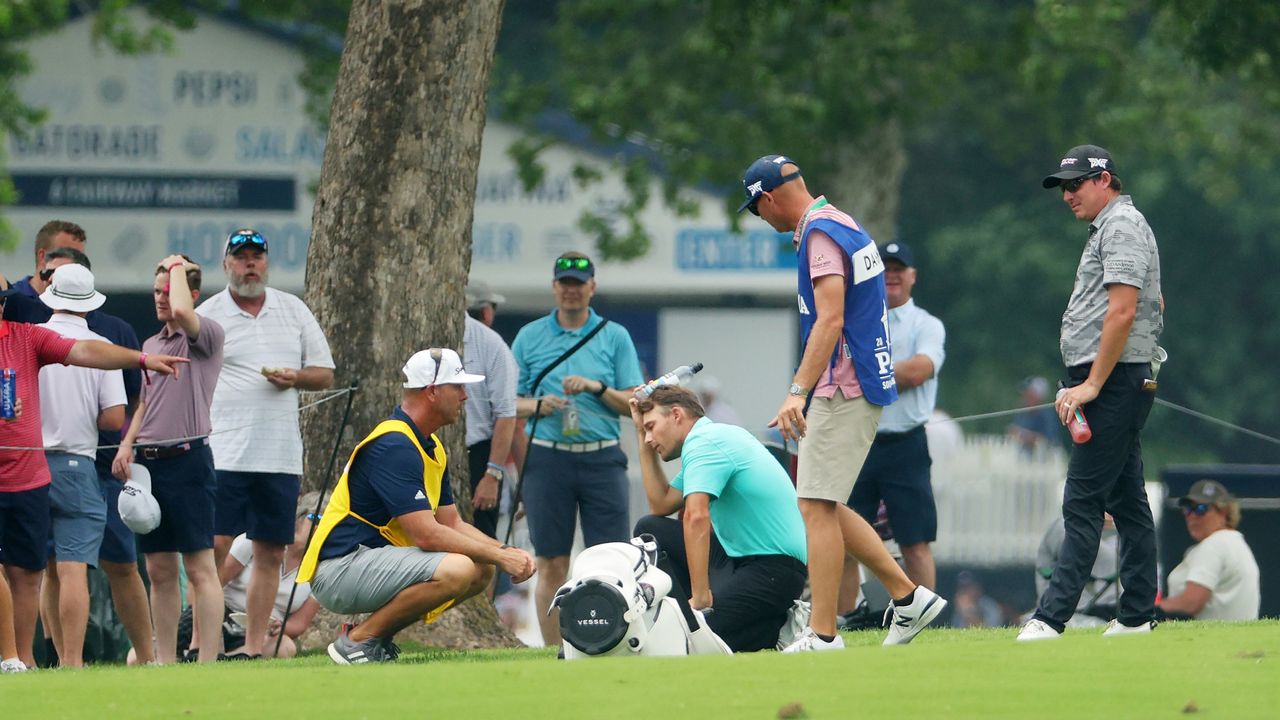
(574, 465)
(752, 569)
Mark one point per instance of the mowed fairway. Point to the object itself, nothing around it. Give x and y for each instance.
(1204, 670)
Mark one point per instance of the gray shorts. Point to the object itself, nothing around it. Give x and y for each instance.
(838, 437)
(367, 579)
(78, 510)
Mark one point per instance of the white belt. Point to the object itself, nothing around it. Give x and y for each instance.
(576, 447)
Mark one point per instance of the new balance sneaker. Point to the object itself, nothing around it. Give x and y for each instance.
(909, 620)
(1037, 630)
(345, 651)
(1115, 628)
(12, 665)
(810, 642)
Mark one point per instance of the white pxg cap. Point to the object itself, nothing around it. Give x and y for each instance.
(436, 366)
(138, 507)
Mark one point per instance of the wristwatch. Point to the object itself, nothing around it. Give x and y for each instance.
(797, 390)
(496, 471)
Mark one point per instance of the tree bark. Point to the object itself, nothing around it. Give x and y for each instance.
(867, 182)
(391, 231)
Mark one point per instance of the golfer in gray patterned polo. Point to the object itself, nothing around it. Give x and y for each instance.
(1109, 334)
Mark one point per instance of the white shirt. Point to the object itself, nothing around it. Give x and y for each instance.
(235, 593)
(914, 332)
(71, 397)
(255, 425)
(1224, 564)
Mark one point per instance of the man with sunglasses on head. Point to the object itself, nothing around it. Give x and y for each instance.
(834, 403)
(274, 347)
(1109, 333)
(574, 465)
(391, 542)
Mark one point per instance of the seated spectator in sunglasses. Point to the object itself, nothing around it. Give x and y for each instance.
(1218, 577)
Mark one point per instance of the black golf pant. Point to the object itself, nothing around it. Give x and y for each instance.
(1105, 474)
(751, 595)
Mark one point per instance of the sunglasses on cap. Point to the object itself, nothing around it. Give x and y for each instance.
(245, 238)
(437, 355)
(569, 263)
(1197, 509)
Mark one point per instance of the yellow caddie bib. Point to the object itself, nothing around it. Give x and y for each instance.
(339, 507)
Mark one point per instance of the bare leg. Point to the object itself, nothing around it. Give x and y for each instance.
(287, 647)
(861, 540)
(222, 548)
(50, 592)
(129, 596)
(264, 583)
(73, 611)
(8, 646)
(207, 610)
(166, 603)
(826, 561)
(457, 576)
(552, 572)
(850, 584)
(920, 568)
(25, 585)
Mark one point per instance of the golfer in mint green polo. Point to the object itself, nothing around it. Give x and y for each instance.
(752, 567)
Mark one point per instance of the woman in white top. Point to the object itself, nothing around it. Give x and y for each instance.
(1218, 577)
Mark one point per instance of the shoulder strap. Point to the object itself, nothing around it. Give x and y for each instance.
(533, 389)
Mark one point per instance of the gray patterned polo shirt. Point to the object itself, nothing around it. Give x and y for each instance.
(1121, 249)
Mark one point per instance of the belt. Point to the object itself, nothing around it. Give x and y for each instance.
(576, 447)
(891, 435)
(163, 452)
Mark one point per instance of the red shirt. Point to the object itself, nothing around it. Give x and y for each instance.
(25, 349)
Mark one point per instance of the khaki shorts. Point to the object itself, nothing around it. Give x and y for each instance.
(839, 435)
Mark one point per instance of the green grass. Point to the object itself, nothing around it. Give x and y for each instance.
(1226, 671)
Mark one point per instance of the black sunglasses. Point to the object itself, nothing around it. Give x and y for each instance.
(573, 264)
(241, 238)
(1197, 509)
(436, 355)
(1074, 185)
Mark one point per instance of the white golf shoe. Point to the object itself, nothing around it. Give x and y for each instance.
(810, 642)
(1115, 628)
(1037, 630)
(909, 620)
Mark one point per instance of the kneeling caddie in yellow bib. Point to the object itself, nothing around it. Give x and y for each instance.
(391, 542)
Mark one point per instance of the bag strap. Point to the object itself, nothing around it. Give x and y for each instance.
(533, 389)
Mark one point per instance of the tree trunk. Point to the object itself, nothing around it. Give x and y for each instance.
(391, 232)
(867, 182)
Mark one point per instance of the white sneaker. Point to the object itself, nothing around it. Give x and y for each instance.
(1116, 628)
(909, 620)
(810, 642)
(1037, 630)
(12, 665)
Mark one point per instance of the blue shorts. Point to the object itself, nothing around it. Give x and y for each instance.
(184, 486)
(24, 528)
(79, 514)
(262, 505)
(559, 485)
(897, 471)
(119, 544)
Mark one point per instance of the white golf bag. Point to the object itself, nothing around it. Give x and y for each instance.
(617, 602)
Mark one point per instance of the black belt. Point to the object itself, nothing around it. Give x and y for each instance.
(164, 452)
(890, 435)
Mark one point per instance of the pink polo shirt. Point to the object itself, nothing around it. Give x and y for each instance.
(25, 349)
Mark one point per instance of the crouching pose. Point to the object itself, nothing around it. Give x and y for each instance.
(752, 569)
(391, 542)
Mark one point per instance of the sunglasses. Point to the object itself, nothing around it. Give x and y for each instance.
(1198, 509)
(573, 264)
(313, 517)
(1074, 185)
(242, 238)
(436, 355)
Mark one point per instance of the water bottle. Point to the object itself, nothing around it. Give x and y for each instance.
(570, 422)
(8, 393)
(1079, 427)
(679, 376)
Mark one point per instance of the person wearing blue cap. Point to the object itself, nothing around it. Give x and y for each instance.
(1109, 334)
(836, 396)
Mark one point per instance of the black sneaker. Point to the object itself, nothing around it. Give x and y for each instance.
(344, 651)
(859, 618)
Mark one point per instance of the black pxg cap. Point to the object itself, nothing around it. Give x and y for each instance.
(574, 267)
(765, 175)
(1081, 161)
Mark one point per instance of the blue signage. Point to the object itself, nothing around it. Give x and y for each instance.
(718, 249)
(162, 192)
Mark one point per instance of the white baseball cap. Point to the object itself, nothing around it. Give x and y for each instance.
(421, 370)
(72, 289)
(138, 507)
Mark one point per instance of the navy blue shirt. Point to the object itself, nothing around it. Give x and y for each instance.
(384, 482)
